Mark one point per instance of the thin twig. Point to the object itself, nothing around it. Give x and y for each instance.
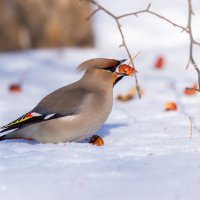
(132, 59)
(93, 13)
(190, 132)
(147, 10)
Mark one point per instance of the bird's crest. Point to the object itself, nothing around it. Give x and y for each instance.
(97, 63)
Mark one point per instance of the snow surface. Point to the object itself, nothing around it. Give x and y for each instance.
(147, 152)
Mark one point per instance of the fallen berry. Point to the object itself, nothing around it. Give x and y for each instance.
(190, 91)
(15, 88)
(170, 106)
(159, 64)
(96, 140)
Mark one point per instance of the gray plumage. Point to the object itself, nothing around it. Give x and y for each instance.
(82, 107)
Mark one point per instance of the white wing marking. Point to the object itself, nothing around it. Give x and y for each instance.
(49, 116)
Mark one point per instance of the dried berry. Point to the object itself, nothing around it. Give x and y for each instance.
(170, 106)
(15, 88)
(131, 94)
(190, 91)
(126, 69)
(96, 140)
(159, 64)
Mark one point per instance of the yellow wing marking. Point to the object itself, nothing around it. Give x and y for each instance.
(19, 120)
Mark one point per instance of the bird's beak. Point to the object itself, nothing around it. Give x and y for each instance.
(122, 61)
(117, 76)
(118, 73)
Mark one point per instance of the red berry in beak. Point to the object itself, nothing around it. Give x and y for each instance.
(126, 69)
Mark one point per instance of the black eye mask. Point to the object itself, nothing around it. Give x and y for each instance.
(111, 69)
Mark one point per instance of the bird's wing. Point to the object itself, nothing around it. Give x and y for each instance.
(28, 118)
(63, 102)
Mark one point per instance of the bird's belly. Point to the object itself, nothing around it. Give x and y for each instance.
(68, 129)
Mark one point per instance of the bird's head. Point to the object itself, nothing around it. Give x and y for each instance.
(108, 70)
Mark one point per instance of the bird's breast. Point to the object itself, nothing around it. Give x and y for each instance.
(102, 108)
(93, 115)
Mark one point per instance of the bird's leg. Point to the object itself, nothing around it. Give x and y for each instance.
(96, 140)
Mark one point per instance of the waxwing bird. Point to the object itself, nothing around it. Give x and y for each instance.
(74, 112)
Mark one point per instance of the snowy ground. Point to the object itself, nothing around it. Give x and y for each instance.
(147, 152)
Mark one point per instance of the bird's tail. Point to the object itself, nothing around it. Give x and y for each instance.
(3, 137)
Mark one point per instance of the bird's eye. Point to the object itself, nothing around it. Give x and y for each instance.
(111, 69)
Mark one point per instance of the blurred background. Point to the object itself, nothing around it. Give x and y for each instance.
(148, 153)
(61, 23)
(44, 23)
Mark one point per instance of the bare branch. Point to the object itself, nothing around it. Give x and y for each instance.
(100, 7)
(192, 43)
(187, 29)
(147, 10)
(124, 44)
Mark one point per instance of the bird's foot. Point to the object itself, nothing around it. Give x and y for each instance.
(96, 140)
